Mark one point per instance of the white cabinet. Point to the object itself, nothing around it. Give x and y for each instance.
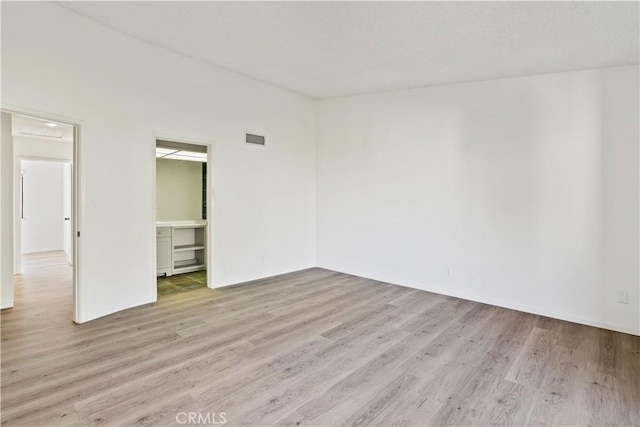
(181, 248)
(164, 249)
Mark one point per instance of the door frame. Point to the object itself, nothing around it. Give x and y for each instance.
(209, 144)
(68, 203)
(77, 195)
(17, 224)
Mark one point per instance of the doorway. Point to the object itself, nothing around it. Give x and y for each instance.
(45, 155)
(45, 207)
(182, 220)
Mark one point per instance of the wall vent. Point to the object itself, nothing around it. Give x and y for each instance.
(251, 138)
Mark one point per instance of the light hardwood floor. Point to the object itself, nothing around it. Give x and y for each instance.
(308, 348)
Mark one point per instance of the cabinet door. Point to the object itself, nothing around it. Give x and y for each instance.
(164, 252)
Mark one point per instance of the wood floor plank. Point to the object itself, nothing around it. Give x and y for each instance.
(604, 392)
(308, 348)
(382, 399)
(364, 377)
(529, 367)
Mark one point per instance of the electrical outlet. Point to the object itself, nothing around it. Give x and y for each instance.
(447, 271)
(623, 297)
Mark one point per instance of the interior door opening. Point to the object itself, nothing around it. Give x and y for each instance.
(182, 226)
(45, 155)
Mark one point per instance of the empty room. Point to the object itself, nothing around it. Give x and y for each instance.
(320, 213)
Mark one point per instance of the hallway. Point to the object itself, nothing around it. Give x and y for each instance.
(44, 290)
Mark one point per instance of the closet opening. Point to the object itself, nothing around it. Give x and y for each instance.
(182, 228)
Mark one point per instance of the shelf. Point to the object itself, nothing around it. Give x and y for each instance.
(187, 266)
(185, 226)
(183, 270)
(184, 248)
(188, 263)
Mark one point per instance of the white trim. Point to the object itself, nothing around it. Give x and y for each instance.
(209, 144)
(17, 224)
(77, 194)
(499, 303)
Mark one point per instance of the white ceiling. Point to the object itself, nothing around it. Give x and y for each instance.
(36, 128)
(326, 49)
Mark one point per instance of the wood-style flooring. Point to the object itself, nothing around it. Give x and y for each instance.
(311, 348)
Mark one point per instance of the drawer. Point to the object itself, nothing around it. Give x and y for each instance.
(163, 232)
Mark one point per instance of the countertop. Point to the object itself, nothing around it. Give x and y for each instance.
(181, 223)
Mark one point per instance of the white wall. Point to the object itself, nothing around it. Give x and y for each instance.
(42, 218)
(178, 190)
(526, 188)
(6, 213)
(24, 146)
(122, 91)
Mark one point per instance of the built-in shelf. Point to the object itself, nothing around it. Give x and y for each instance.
(183, 270)
(183, 248)
(187, 263)
(189, 248)
(186, 266)
(194, 226)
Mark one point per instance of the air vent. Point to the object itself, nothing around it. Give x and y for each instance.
(254, 139)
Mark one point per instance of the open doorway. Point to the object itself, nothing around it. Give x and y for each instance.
(182, 219)
(44, 153)
(45, 208)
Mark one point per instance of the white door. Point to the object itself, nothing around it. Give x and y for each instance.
(42, 207)
(66, 202)
(163, 249)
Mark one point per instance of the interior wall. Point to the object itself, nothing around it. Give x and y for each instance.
(6, 213)
(42, 216)
(521, 192)
(122, 91)
(24, 146)
(178, 190)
